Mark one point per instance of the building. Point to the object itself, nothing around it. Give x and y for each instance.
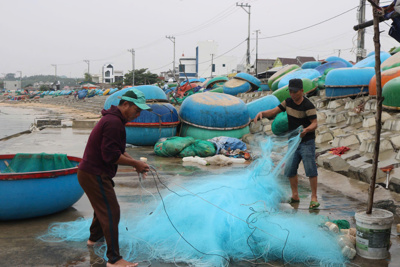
(281, 61)
(187, 68)
(12, 85)
(207, 63)
(263, 65)
(109, 75)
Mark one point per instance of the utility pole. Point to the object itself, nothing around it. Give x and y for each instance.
(55, 72)
(133, 65)
(212, 62)
(88, 65)
(172, 39)
(20, 78)
(361, 33)
(257, 32)
(248, 34)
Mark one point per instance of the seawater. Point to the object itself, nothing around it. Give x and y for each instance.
(14, 120)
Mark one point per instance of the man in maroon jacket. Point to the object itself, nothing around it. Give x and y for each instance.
(105, 150)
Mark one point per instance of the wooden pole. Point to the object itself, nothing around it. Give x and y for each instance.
(378, 116)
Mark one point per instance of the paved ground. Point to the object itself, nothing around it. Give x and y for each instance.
(340, 198)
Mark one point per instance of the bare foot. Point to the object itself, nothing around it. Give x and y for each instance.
(91, 243)
(122, 262)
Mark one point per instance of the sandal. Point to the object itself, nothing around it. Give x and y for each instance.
(314, 205)
(292, 200)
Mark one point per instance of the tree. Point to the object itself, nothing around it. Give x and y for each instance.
(141, 77)
(10, 77)
(88, 78)
(44, 88)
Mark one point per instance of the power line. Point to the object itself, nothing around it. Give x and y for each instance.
(316, 24)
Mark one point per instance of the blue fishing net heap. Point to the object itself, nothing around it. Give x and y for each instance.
(216, 220)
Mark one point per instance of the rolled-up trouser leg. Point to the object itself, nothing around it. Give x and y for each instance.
(101, 194)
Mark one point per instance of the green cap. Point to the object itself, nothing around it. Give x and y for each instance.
(137, 97)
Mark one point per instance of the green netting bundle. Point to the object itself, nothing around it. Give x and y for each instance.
(280, 125)
(342, 224)
(24, 162)
(199, 148)
(172, 146)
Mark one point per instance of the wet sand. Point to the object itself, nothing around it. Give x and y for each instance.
(339, 196)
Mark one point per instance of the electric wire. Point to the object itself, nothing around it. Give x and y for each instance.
(308, 27)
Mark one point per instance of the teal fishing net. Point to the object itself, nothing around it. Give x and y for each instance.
(25, 162)
(220, 219)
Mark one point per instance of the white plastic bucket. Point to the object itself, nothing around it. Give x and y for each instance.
(373, 233)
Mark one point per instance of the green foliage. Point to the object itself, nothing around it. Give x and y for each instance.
(44, 88)
(88, 77)
(117, 84)
(141, 77)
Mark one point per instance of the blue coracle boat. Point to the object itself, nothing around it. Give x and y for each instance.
(150, 126)
(37, 193)
(346, 82)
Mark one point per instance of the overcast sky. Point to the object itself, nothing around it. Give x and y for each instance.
(35, 34)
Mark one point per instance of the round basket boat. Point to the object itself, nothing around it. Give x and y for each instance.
(208, 115)
(331, 65)
(286, 69)
(306, 73)
(236, 86)
(347, 82)
(311, 64)
(254, 82)
(370, 61)
(261, 104)
(38, 191)
(216, 80)
(333, 58)
(394, 60)
(391, 94)
(283, 93)
(275, 85)
(150, 126)
(386, 76)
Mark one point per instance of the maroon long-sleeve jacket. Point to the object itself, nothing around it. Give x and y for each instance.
(105, 145)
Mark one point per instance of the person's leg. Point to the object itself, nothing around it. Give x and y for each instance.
(86, 181)
(101, 195)
(291, 167)
(294, 181)
(96, 232)
(310, 166)
(313, 185)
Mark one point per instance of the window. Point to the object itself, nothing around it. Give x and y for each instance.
(107, 74)
(181, 68)
(213, 68)
(223, 65)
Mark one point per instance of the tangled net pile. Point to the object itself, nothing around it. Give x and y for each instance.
(216, 220)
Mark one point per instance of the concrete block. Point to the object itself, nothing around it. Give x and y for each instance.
(323, 158)
(353, 103)
(248, 138)
(337, 104)
(323, 137)
(321, 117)
(265, 121)
(337, 131)
(345, 140)
(267, 128)
(353, 119)
(370, 105)
(48, 122)
(368, 145)
(394, 182)
(354, 169)
(84, 123)
(366, 173)
(369, 121)
(336, 163)
(256, 127)
(321, 104)
(335, 118)
(363, 135)
(352, 154)
(321, 128)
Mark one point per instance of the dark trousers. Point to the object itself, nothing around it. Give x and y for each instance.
(101, 194)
